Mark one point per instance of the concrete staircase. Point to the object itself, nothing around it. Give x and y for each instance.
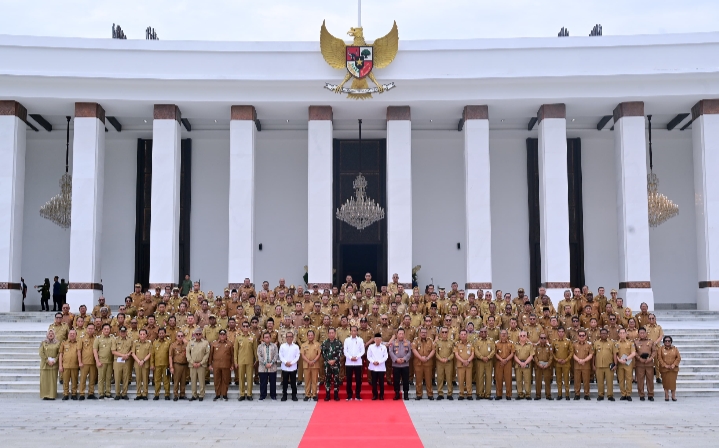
(698, 375)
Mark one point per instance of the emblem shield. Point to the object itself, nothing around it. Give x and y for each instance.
(359, 60)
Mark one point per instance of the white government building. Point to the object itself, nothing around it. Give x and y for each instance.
(500, 163)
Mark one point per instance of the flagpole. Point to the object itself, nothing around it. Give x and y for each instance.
(359, 13)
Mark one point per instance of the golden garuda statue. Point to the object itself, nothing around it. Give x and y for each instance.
(359, 58)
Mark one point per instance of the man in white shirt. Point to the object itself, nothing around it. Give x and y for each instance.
(353, 350)
(289, 355)
(377, 356)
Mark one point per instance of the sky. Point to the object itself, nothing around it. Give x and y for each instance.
(286, 20)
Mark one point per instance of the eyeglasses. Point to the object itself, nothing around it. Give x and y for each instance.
(444, 331)
(541, 337)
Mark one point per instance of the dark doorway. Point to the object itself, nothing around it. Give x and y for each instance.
(357, 252)
(143, 209)
(576, 219)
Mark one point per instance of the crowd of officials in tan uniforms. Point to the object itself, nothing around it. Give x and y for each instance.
(455, 341)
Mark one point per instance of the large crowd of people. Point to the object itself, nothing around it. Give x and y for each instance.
(436, 341)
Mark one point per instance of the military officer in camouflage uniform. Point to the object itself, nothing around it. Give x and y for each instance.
(332, 349)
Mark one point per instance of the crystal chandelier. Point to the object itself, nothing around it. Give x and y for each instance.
(58, 208)
(360, 211)
(661, 207)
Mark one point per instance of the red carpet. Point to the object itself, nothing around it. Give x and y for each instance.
(365, 423)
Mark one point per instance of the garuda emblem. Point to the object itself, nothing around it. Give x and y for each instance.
(359, 59)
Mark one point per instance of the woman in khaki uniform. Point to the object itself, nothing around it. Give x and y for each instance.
(49, 351)
(669, 359)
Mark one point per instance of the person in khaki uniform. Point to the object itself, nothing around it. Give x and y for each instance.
(543, 358)
(245, 352)
(646, 353)
(562, 352)
(59, 327)
(141, 353)
(583, 353)
(198, 353)
(88, 369)
(623, 358)
(423, 350)
(463, 355)
(523, 355)
(504, 354)
(69, 364)
(102, 352)
(221, 361)
(159, 363)
(178, 365)
(310, 352)
(484, 351)
(669, 359)
(604, 365)
(122, 367)
(444, 355)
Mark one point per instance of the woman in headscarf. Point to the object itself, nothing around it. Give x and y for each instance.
(624, 319)
(669, 359)
(49, 352)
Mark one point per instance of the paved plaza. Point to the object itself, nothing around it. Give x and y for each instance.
(29, 422)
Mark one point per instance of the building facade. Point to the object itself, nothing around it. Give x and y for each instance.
(500, 163)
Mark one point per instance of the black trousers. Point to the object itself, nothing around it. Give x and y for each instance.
(401, 374)
(266, 377)
(355, 371)
(377, 378)
(291, 379)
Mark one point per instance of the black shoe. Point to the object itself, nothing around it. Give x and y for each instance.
(125, 397)
(450, 398)
(396, 397)
(101, 397)
(508, 398)
(440, 397)
(201, 398)
(65, 397)
(527, 397)
(549, 398)
(327, 397)
(299, 383)
(217, 398)
(306, 399)
(598, 398)
(138, 398)
(73, 397)
(249, 398)
(241, 398)
(337, 395)
(192, 399)
(629, 398)
(610, 398)
(156, 398)
(537, 398)
(417, 398)
(460, 398)
(586, 397)
(567, 398)
(576, 397)
(117, 397)
(284, 398)
(469, 398)
(651, 398)
(224, 397)
(406, 397)
(382, 398)
(82, 397)
(167, 398)
(641, 398)
(174, 399)
(374, 398)
(430, 398)
(623, 398)
(659, 381)
(183, 397)
(348, 399)
(91, 397)
(145, 398)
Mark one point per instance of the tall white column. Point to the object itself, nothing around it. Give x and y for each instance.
(12, 198)
(88, 180)
(632, 209)
(319, 196)
(165, 198)
(705, 139)
(553, 200)
(477, 194)
(242, 194)
(399, 194)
